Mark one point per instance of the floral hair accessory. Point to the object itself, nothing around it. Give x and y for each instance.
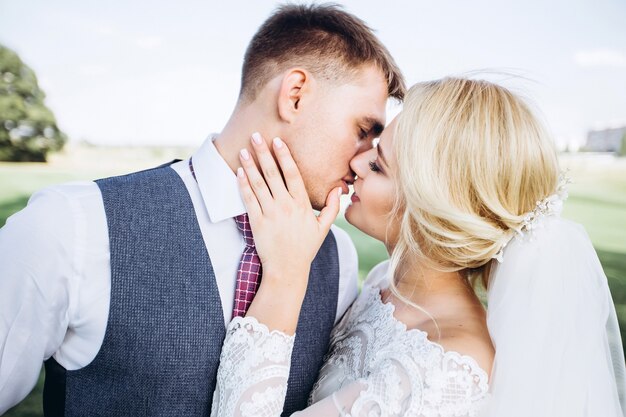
(549, 206)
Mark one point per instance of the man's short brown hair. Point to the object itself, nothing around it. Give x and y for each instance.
(324, 39)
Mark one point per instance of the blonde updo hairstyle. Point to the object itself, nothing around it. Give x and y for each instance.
(472, 160)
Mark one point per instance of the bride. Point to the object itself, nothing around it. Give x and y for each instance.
(463, 189)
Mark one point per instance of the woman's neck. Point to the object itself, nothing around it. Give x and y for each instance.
(419, 282)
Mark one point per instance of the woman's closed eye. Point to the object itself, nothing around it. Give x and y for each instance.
(374, 166)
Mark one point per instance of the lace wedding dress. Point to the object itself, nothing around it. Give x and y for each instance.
(375, 367)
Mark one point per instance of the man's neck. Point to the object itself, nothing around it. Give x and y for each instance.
(245, 120)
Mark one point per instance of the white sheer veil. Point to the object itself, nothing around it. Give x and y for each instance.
(554, 327)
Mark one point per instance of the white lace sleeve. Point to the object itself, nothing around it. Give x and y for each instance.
(253, 372)
(383, 393)
(399, 385)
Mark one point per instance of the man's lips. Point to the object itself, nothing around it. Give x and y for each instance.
(350, 180)
(344, 187)
(346, 182)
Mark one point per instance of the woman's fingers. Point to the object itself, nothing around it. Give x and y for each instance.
(268, 166)
(291, 173)
(255, 180)
(329, 213)
(249, 198)
(287, 233)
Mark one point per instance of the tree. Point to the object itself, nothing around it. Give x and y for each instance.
(28, 129)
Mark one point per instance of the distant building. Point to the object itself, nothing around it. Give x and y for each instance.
(607, 140)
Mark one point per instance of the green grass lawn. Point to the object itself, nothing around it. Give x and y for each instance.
(597, 200)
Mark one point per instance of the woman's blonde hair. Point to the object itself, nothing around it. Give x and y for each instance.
(472, 160)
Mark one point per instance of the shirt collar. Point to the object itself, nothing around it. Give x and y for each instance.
(217, 183)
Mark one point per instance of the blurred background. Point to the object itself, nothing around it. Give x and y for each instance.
(91, 89)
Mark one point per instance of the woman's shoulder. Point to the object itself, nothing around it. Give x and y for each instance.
(471, 343)
(462, 337)
(455, 369)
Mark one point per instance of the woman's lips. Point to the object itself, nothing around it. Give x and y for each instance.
(354, 198)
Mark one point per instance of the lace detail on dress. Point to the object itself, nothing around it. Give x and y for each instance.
(254, 369)
(400, 371)
(384, 394)
(375, 367)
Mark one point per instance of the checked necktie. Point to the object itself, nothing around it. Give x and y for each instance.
(249, 272)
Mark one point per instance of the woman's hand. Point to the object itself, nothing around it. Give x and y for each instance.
(287, 233)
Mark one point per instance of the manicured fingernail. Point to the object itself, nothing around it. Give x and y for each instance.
(240, 173)
(256, 137)
(278, 143)
(245, 154)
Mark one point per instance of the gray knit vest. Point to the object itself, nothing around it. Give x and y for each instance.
(165, 328)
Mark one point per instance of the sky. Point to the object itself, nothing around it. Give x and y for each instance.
(167, 73)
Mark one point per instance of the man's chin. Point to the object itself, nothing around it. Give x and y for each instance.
(318, 202)
(317, 206)
(318, 199)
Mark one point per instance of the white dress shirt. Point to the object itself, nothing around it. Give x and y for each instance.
(55, 272)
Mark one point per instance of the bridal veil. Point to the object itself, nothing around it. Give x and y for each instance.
(554, 328)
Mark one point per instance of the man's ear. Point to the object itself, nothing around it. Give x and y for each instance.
(294, 85)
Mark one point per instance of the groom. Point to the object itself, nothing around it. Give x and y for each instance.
(124, 285)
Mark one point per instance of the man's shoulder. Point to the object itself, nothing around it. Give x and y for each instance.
(61, 195)
(53, 212)
(142, 174)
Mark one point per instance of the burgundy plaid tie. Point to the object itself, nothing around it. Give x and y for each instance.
(249, 273)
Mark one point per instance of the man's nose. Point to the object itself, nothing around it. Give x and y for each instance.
(358, 164)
